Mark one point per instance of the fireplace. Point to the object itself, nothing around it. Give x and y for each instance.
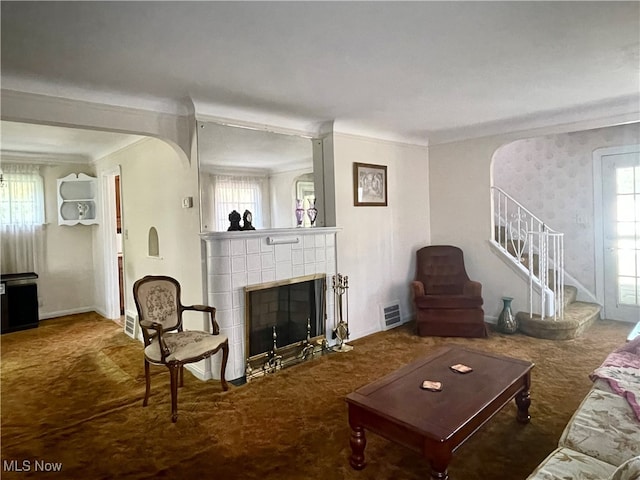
(285, 322)
(237, 260)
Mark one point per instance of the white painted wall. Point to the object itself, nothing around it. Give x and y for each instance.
(65, 284)
(154, 180)
(460, 200)
(376, 245)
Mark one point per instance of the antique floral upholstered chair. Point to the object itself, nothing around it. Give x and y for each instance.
(166, 343)
(448, 303)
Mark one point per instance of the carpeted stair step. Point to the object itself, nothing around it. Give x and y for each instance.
(578, 316)
(570, 295)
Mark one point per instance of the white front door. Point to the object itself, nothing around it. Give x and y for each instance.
(621, 235)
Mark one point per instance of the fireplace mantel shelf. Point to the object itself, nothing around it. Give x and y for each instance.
(268, 232)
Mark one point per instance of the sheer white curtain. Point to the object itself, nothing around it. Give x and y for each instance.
(21, 219)
(239, 193)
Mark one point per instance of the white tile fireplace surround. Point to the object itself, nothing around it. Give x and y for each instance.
(238, 259)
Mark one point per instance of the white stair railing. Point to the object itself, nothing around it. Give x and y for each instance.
(540, 249)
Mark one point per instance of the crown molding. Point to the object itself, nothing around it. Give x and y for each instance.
(39, 158)
(616, 111)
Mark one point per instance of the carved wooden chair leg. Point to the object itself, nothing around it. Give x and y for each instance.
(147, 379)
(174, 369)
(225, 356)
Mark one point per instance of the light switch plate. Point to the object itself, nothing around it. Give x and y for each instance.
(187, 202)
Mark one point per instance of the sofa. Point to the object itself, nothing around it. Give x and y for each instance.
(602, 439)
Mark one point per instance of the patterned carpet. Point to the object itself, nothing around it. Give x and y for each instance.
(72, 394)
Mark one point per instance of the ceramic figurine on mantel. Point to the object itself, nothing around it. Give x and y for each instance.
(299, 212)
(247, 219)
(312, 211)
(507, 323)
(234, 220)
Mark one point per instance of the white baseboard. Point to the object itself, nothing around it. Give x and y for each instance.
(364, 333)
(101, 312)
(71, 311)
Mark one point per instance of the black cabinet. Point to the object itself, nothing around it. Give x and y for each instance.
(19, 301)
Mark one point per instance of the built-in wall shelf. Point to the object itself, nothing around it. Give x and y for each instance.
(77, 200)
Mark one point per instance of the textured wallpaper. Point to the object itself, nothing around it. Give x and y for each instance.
(552, 176)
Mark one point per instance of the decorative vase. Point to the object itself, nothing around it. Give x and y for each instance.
(312, 211)
(83, 208)
(506, 321)
(299, 212)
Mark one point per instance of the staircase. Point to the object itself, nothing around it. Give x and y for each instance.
(578, 316)
(537, 253)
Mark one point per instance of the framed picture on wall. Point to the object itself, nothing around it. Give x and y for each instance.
(369, 185)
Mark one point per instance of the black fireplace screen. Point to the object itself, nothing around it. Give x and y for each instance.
(296, 308)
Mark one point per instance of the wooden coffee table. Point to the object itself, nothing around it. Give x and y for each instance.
(435, 424)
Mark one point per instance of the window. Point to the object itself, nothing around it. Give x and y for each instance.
(238, 193)
(21, 195)
(21, 218)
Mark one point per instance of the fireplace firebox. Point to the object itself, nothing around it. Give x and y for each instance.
(285, 322)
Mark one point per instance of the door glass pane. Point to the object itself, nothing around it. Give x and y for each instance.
(627, 290)
(626, 229)
(624, 180)
(626, 208)
(627, 263)
(627, 243)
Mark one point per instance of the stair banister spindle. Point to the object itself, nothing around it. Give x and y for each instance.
(555, 273)
(554, 243)
(562, 271)
(531, 273)
(560, 287)
(519, 244)
(498, 200)
(531, 224)
(551, 263)
(506, 217)
(543, 276)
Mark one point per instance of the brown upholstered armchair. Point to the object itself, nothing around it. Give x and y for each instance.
(448, 304)
(166, 343)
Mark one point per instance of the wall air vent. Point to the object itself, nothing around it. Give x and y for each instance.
(131, 325)
(391, 315)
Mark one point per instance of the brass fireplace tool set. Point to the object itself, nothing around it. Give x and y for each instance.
(341, 330)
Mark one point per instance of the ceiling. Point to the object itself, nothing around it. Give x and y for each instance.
(412, 71)
(44, 143)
